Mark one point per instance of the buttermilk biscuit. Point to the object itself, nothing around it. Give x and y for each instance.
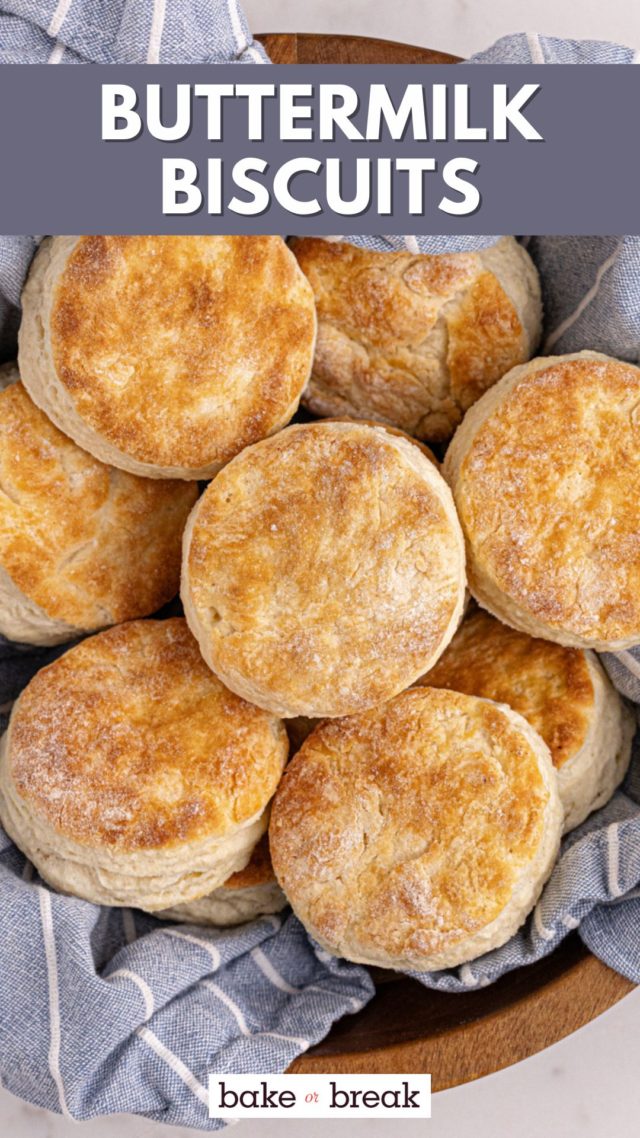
(323, 569)
(165, 356)
(545, 471)
(413, 339)
(130, 776)
(418, 835)
(564, 693)
(82, 545)
(250, 893)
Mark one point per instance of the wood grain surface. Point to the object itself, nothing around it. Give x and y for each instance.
(347, 49)
(408, 1028)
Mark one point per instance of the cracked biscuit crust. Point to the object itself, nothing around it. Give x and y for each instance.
(128, 743)
(545, 472)
(324, 569)
(418, 835)
(167, 355)
(414, 340)
(88, 544)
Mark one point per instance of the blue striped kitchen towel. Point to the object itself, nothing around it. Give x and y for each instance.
(110, 1010)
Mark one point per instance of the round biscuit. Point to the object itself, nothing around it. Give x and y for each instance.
(323, 569)
(419, 835)
(129, 775)
(82, 545)
(545, 472)
(413, 339)
(165, 356)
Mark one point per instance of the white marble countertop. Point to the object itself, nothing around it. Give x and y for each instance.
(458, 26)
(585, 1086)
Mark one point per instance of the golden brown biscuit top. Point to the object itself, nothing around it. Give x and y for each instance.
(180, 351)
(128, 741)
(404, 830)
(323, 567)
(548, 684)
(259, 871)
(376, 312)
(426, 451)
(548, 495)
(89, 544)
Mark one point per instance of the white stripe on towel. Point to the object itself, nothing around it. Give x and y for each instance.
(303, 1043)
(467, 977)
(235, 1010)
(46, 918)
(613, 860)
(210, 948)
(147, 994)
(155, 35)
(237, 1013)
(57, 53)
(355, 1004)
(278, 981)
(266, 967)
(628, 659)
(255, 54)
(411, 243)
(535, 47)
(570, 922)
(176, 1064)
(129, 926)
(272, 919)
(584, 303)
(236, 26)
(543, 931)
(58, 18)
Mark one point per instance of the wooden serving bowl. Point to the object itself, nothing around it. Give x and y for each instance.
(408, 1028)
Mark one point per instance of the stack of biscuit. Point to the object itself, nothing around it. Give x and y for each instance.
(440, 747)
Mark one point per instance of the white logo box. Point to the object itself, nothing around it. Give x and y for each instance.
(319, 1096)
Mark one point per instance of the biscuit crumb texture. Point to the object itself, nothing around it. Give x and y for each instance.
(250, 893)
